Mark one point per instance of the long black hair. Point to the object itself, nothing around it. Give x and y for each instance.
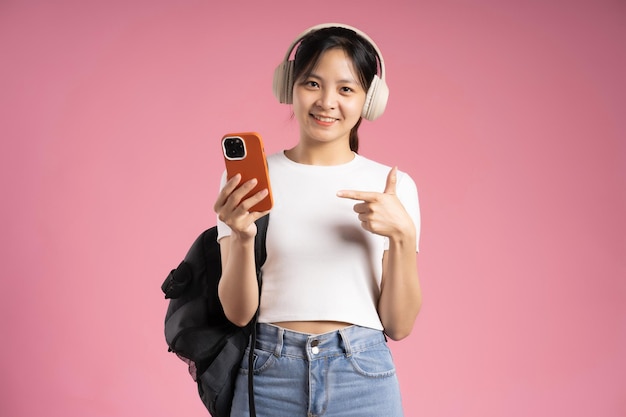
(358, 49)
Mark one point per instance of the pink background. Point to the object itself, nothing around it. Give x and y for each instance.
(508, 114)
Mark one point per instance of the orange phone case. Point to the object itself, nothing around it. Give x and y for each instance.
(250, 162)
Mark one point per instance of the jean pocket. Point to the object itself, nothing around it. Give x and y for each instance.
(375, 362)
(261, 360)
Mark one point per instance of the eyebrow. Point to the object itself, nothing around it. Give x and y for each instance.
(342, 81)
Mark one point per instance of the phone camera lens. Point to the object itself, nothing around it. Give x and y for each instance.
(234, 148)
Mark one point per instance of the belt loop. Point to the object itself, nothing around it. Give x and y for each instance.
(279, 341)
(346, 343)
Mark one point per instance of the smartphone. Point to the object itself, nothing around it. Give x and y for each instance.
(244, 154)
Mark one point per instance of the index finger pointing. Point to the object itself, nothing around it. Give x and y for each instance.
(357, 195)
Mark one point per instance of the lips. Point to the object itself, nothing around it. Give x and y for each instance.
(324, 119)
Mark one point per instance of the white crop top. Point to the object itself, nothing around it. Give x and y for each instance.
(321, 264)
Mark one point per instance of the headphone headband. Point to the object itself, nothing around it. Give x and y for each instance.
(381, 61)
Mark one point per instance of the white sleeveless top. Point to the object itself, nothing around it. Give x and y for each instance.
(321, 264)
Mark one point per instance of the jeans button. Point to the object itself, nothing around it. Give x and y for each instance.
(314, 349)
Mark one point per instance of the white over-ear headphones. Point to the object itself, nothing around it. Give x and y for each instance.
(377, 94)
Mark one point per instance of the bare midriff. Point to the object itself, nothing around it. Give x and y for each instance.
(312, 327)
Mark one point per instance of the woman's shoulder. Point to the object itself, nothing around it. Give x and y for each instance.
(277, 158)
(379, 169)
(377, 166)
(364, 161)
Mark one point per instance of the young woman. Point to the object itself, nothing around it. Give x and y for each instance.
(341, 268)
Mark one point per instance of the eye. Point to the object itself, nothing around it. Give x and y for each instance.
(311, 84)
(347, 90)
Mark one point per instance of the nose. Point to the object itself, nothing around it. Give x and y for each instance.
(327, 99)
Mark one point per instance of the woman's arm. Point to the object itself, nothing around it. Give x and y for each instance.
(400, 298)
(238, 287)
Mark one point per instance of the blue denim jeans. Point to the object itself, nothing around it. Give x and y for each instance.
(345, 373)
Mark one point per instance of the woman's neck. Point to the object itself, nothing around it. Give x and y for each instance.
(323, 154)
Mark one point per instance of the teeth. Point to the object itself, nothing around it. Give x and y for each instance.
(325, 119)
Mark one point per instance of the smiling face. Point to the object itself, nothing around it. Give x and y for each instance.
(328, 102)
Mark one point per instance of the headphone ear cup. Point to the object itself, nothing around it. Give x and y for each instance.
(376, 99)
(283, 82)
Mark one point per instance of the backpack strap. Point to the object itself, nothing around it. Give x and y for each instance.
(260, 255)
(260, 251)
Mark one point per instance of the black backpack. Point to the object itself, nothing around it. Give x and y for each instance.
(196, 328)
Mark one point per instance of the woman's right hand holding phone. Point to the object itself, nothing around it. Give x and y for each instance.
(234, 210)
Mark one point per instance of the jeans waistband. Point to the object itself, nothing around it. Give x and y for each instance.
(346, 341)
